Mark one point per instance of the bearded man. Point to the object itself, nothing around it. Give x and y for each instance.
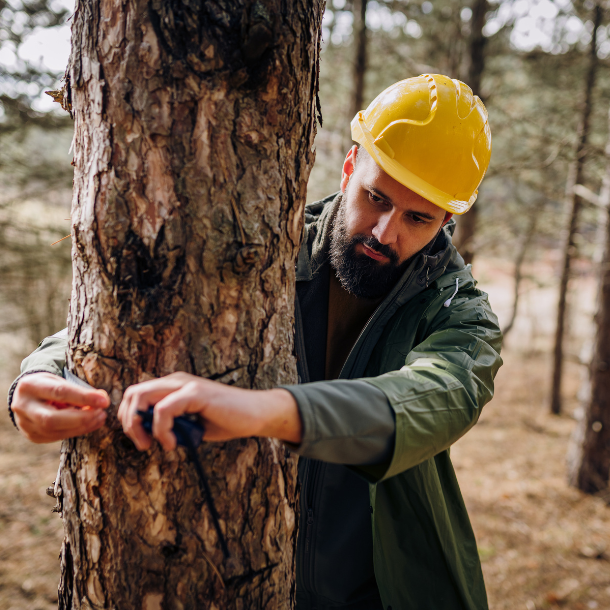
(397, 352)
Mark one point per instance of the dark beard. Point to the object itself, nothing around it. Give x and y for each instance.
(359, 274)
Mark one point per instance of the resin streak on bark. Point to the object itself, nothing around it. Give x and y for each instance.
(194, 125)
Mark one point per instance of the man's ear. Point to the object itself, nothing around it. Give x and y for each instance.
(348, 167)
(448, 216)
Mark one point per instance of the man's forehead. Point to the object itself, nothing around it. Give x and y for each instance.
(382, 184)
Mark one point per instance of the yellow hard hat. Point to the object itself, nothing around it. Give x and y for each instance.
(431, 134)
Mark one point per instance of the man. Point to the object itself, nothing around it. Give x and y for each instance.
(397, 361)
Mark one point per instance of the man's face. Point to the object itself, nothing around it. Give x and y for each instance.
(381, 225)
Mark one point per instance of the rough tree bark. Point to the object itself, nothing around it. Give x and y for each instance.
(194, 125)
(589, 455)
(574, 201)
(467, 224)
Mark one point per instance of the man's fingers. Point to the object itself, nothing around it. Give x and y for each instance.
(136, 433)
(140, 397)
(166, 410)
(123, 408)
(57, 390)
(132, 422)
(136, 399)
(69, 419)
(45, 424)
(155, 392)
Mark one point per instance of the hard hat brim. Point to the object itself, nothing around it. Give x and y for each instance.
(401, 174)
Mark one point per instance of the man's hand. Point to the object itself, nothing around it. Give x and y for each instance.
(227, 412)
(48, 408)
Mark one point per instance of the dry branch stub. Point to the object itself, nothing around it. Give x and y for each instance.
(194, 126)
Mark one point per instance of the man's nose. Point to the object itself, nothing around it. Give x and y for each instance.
(387, 227)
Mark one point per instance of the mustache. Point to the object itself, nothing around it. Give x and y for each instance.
(372, 242)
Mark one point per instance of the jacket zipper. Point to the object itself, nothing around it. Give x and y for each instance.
(311, 466)
(310, 479)
(299, 344)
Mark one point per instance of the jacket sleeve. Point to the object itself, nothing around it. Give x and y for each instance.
(438, 395)
(49, 357)
(344, 422)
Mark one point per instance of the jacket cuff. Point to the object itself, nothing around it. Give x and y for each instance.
(344, 422)
(11, 390)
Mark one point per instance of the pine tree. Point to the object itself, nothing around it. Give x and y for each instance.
(194, 125)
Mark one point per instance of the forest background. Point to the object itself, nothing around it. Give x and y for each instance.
(543, 543)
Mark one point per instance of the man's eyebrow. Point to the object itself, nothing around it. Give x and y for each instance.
(422, 214)
(389, 200)
(380, 194)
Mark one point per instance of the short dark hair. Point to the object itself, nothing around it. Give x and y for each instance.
(361, 150)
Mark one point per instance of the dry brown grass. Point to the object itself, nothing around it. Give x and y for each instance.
(30, 535)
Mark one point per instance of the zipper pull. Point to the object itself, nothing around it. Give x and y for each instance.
(457, 287)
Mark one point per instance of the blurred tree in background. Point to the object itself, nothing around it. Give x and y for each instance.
(21, 81)
(36, 180)
(575, 202)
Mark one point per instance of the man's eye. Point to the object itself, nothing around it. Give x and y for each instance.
(374, 198)
(418, 219)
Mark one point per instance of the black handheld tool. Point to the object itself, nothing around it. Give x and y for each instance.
(189, 433)
(188, 430)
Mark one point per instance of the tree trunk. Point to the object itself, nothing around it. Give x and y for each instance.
(576, 176)
(589, 456)
(467, 224)
(194, 126)
(360, 36)
(519, 261)
(358, 69)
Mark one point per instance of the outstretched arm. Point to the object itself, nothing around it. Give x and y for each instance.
(228, 412)
(346, 422)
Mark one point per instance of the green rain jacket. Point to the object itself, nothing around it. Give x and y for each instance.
(435, 362)
(434, 365)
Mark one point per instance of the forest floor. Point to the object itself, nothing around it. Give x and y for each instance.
(543, 544)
